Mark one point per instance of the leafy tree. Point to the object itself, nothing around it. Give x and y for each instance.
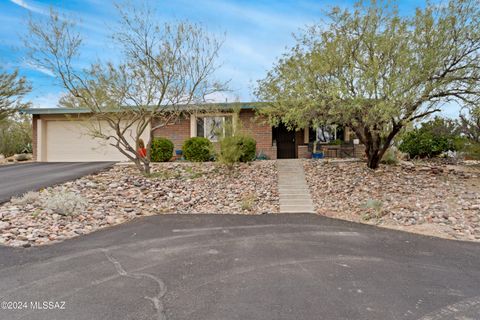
(15, 135)
(470, 123)
(377, 71)
(163, 70)
(432, 138)
(12, 90)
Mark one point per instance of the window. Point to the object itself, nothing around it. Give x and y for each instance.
(213, 127)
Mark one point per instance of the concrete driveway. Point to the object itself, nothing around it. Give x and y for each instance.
(243, 267)
(19, 178)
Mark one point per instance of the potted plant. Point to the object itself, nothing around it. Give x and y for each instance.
(316, 154)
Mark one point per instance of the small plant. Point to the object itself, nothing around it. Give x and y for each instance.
(164, 174)
(238, 148)
(390, 157)
(198, 149)
(30, 197)
(376, 206)
(248, 202)
(262, 156)
(336, 142)
(161, 150)
(193, 172)
(65, 203)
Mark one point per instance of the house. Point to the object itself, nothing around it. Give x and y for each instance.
(61, 134)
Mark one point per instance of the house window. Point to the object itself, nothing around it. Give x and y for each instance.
(213, 127)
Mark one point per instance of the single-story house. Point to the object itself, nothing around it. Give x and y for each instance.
(60, 134)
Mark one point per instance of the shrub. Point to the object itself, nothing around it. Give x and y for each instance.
(15, 136)
(237, 149)
(30, 197)
(198, 149)
(471, 150)
(431, 139)
(161, 150)
(64, 202)
(390, 157)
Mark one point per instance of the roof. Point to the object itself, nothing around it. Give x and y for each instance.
(214, 106)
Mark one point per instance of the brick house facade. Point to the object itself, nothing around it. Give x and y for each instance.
(57, 137)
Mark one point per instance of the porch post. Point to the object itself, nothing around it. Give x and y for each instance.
(193, 126)
(306, 133)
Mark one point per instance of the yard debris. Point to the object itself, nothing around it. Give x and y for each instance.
(430, 198)
(121, 194)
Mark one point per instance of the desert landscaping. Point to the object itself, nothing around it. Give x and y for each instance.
(122, 193)
(424, 197)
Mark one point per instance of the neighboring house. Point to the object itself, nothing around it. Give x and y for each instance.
(60, 134)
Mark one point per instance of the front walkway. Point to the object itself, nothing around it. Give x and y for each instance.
(293, 188)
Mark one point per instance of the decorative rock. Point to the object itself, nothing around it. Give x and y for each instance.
(121, 194)
(409, 194)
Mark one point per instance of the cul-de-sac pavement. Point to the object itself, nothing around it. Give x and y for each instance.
(289, 266)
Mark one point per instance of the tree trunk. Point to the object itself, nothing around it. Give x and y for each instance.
(375, 152)
(373, 158)
(375, 146)
(146, 167)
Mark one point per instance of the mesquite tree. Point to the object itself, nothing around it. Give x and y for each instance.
(376, 71)
(163, 69)
(13, 89)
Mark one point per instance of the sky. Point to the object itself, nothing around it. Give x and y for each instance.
(256, 33)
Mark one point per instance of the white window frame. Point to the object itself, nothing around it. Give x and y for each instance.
(193, 122)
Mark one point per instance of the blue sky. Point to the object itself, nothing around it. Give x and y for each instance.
(256, 33)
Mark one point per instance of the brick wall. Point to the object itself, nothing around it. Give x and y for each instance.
(34, 136)
(177, 132)
(359, 151)
(303, 152)
(260, 130)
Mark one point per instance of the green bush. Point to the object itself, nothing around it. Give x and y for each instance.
(431, 139)
(390, 157)
(161, 150)
(198, 149)
(237, 149)
(15, 136)
(471, 150)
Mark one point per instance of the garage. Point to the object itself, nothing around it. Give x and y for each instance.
(62, 139)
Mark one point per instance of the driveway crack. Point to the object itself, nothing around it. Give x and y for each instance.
(162, 289)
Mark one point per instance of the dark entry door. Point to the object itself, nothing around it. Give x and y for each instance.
(285, 143)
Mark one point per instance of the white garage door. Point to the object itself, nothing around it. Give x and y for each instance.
(69, 141)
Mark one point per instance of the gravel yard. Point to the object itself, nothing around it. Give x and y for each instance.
(121, 194)
(432, 199)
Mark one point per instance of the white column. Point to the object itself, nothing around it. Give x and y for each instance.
(40, 139)
(193, 126)
(306, 137)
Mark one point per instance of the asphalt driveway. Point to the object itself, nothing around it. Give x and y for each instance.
(243, 267)
(19, 178)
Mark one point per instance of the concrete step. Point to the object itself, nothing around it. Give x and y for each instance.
(294, 202)
(297, 209)
(293, 196)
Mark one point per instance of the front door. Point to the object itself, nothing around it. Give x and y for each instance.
(285, 143)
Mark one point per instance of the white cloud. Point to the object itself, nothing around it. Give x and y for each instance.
(258, 15)
(30, 7)
(220, 97)
(39, 69)
(49, 100)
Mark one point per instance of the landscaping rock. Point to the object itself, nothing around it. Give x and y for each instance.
(427, 198)
(122, 193)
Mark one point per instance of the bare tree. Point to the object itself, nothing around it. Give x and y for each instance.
(12, 90)
(164, 70)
